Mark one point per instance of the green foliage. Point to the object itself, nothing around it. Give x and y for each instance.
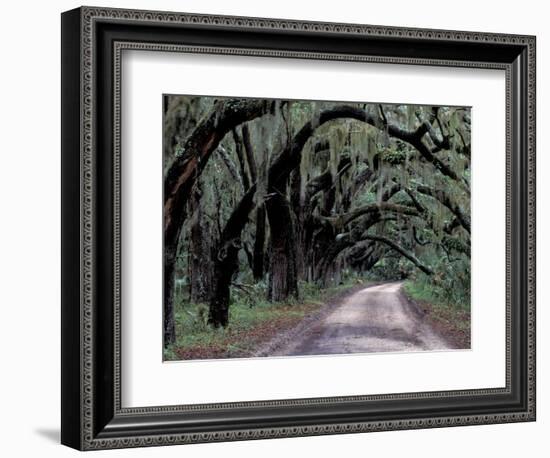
(453, 312)
(249, 316)
(249, 295)
(376, 163)
(391, 268)
(441, 288)
(394, 157)
(397, 153)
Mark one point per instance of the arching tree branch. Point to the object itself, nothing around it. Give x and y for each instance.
(444, 199)
(374, 208)
(402, 251)
(229, 164)
(290, 157)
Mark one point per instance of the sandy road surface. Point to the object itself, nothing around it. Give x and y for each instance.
(374, 319)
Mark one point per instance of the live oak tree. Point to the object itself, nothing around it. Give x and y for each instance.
(279, 192)
(192, 156)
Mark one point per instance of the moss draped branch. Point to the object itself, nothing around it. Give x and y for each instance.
(291, 156)
(402, 251)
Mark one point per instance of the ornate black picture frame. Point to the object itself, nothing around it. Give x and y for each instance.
(92, 42)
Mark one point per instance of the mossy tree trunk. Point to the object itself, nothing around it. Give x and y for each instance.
(227, 259)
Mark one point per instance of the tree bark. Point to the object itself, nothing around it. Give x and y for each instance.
(227, 262)
(170, 250)
(251, 161)
(298, 214)
(240, 156)
(283, 281)
(200, 251)
(259, 244)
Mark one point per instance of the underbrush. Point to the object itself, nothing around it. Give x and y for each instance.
(252, 321)
(449, 312)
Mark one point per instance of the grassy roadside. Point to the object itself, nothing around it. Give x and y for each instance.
(251, 324)
(450, 319)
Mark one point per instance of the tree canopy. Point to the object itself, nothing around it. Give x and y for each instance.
(279, 193)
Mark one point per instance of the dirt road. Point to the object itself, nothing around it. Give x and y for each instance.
(374, 319)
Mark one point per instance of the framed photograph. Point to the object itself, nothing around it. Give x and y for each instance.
(276, 228)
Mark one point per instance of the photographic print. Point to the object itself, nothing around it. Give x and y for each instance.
(301, 228)
(241, 192)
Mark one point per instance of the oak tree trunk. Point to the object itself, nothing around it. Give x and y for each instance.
(283, 280)
(227, 260)
(200, 251)
(259, 244)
